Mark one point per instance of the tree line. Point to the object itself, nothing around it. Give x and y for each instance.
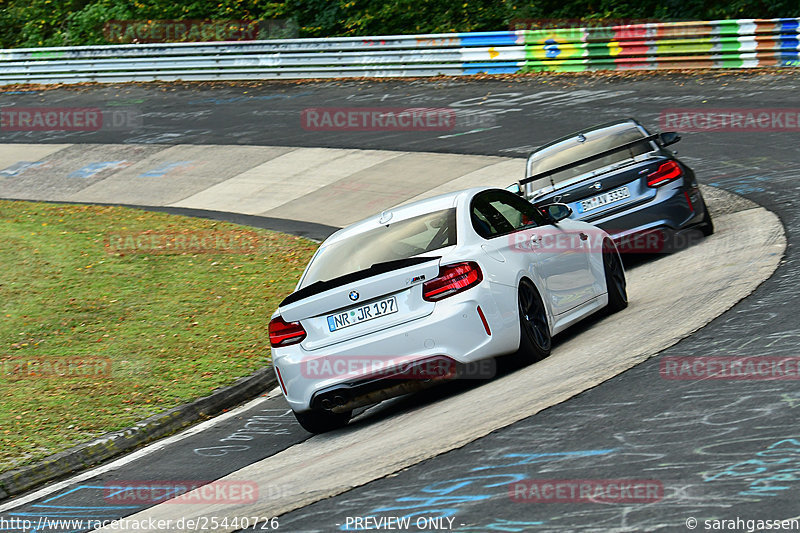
(35, 23)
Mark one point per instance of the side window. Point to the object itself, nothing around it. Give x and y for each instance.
(498, 212)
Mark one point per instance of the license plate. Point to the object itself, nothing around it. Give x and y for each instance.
(603, 199)
(367, 312)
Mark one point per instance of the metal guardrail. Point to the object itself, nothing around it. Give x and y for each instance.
(682, 45)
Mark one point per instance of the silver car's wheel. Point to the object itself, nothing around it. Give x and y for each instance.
(534, 334)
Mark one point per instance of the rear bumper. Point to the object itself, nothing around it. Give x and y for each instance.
(415, 376)
(653, 226)
(453, 332)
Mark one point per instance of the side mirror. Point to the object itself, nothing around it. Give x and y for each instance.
(515, 188)
(556, 212)
(668, 137)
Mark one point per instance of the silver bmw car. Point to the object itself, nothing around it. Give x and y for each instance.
(405, 298)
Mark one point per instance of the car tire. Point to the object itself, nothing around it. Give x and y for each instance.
(535, 342)
(318, 421)
(616, 284)
(706, 225)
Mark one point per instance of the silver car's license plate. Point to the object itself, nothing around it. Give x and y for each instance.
(603, 199)
(357, 315)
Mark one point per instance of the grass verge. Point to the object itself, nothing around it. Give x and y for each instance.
(109, 315)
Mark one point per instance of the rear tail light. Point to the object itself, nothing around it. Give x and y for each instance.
(282, 333)
(667, 172)
(452, 279)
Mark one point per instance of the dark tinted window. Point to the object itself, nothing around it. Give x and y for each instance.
(497, 212)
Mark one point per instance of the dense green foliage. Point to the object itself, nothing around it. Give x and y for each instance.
(27, 23)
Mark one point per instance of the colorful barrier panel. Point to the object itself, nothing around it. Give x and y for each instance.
(745, 43)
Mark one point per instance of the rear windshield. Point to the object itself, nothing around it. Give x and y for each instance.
(390, 242)
(572, 149)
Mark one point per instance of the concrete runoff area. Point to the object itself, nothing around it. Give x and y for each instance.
(23, 154)
(283, 179)
(327, 186)
(379, 187)
(176, 172)
(500, 174)
(60, 175)
(751, 241)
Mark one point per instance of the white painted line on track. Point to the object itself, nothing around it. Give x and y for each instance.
(135, 456)
(467, 132)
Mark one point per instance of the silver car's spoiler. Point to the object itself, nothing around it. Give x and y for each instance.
(598, 155)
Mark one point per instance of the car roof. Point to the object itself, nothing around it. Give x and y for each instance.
(405, 211)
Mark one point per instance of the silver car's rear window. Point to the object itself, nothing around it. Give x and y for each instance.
(573, 149)
(390, 242)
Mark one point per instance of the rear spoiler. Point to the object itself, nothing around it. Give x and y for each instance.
(587, 159)
(376, 269)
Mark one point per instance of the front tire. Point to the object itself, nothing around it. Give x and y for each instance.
(616, 284)
(534, 330)
(318, 421)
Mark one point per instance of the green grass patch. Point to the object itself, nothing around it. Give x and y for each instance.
(98, 333)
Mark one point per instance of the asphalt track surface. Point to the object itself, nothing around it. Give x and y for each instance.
(722, 449)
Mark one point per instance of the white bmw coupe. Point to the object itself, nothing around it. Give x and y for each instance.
(403, 299)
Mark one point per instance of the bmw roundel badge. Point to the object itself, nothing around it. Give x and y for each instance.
(353, 295)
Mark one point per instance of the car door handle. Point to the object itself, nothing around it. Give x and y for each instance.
(536, 240)
(583, 236)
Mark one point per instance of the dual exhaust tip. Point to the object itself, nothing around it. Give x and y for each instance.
(336, 401)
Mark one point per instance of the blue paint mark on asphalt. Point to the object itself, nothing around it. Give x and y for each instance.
(93, 169)
(743, 184)
(20, 167)
(438, 499)
(160, 172)
(533, 458)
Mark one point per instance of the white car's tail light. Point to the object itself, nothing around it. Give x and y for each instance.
(282, 333)
(452, 279)
(666, 172)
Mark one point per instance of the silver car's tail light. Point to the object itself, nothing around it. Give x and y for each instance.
(282, 333)
(451, 280)
(666, 172)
